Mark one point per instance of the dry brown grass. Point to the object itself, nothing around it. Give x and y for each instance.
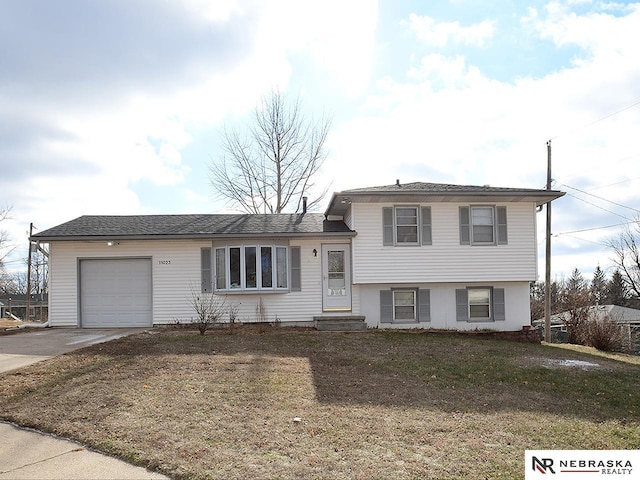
(9, 323)
(371, 404)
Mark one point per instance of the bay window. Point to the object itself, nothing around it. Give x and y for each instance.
(251, 267)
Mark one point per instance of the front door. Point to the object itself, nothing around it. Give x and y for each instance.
(336, 278)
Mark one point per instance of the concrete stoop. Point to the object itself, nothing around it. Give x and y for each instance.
(340, 323)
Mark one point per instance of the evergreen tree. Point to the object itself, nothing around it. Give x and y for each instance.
(598, 287)
(617, 292)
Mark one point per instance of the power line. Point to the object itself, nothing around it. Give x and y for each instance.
(616, 183)
(635, 104)
(598, 206)
(588, 241)
(593, 228)
(604, 164)
(599, 198)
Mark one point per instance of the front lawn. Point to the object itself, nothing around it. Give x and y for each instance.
(303, 404)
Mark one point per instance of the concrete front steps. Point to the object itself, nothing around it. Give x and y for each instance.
(340, 323)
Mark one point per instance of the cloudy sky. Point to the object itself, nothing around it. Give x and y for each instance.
(116, 107)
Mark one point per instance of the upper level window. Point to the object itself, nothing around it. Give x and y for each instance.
(406, 225)
(483, 225)
(251, 267)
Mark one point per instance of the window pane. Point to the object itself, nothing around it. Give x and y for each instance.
(407, 234)
(404, 313)
(483, 234)
(404, 298)
(250, 267)
(482, 215)
(281, 267)
(478, 296)
(479, 311)
(221, 280)
(267, 267)
(234, 267)
(407, 216)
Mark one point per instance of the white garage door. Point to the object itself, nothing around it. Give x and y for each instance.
(115, 293)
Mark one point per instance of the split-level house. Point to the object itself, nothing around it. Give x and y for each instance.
(417, 255)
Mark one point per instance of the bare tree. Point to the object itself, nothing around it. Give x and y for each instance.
(626, 250)
(5, 249)
(274, 164)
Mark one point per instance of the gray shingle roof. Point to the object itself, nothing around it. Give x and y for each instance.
(425, 187)
(193, 226)
(437, 192)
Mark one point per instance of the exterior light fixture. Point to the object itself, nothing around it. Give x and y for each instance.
(315, 252)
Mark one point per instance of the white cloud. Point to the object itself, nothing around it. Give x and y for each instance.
(441, 34)
(448, 121)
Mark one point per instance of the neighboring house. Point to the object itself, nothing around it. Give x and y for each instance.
(420, 255)
(627, 317)
(16, 306)
(622, 315)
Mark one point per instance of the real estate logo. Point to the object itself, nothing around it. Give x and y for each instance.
(542, 465)
(581, 464)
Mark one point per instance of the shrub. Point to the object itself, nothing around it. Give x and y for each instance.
(607, 335)
(209, 309)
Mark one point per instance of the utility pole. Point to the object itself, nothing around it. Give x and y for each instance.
(547, 275)
(29, 272)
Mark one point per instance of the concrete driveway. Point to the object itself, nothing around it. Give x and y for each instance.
(37, 344)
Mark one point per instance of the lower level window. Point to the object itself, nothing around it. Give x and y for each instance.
(251, 267)
(404, 304)
(479, 303)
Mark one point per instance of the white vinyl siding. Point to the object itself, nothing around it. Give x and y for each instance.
(437, 307)
(176, 272)
(445, 260)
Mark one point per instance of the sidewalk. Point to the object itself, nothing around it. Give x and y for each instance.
(28, 454)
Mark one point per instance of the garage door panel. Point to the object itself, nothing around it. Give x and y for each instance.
(115, 293)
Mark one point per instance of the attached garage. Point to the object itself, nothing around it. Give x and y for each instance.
(115, 293)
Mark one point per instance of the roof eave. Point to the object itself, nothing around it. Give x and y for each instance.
(344, 199)
(212, 236)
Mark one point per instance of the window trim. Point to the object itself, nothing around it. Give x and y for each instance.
(242, 288)
(499, 225)
(489, 304)
(423, 226)
(472, 226)
(497, 305)
(422, 305)
(396, 225)
(413, 291)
